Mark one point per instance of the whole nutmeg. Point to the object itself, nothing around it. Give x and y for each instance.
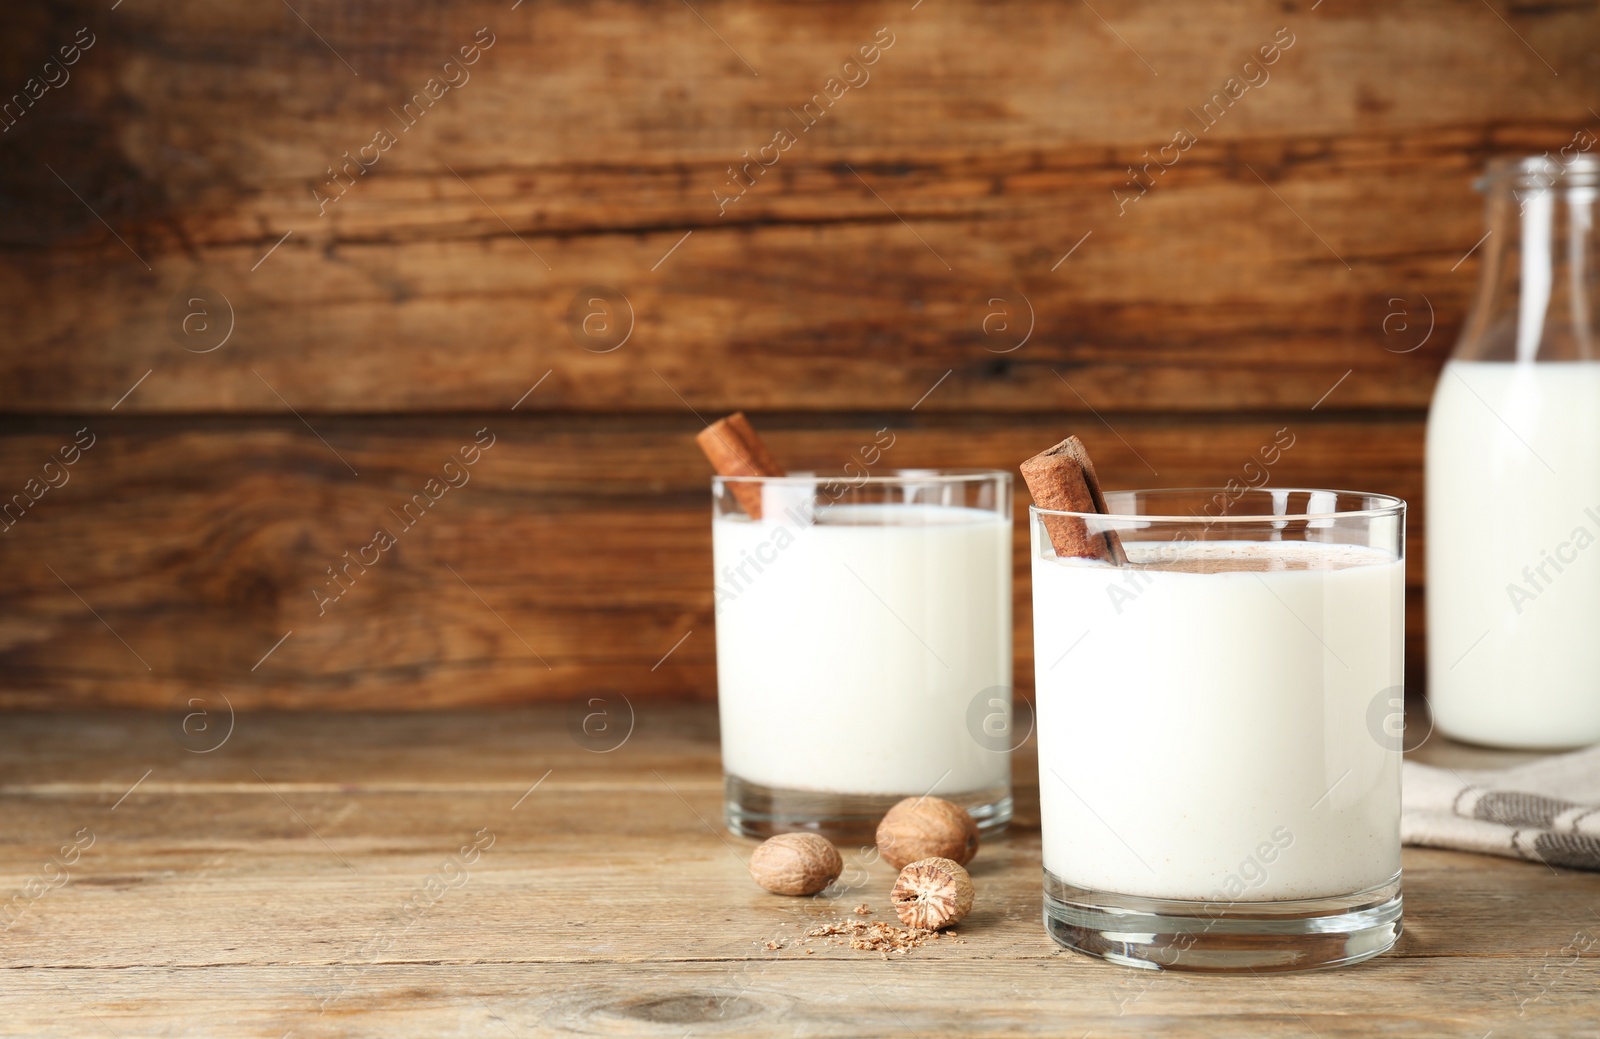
(927, 827)
(932, 893)
(796, 864)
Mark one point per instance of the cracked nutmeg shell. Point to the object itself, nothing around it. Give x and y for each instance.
(932, 893)
(796, 864)
(927, 827)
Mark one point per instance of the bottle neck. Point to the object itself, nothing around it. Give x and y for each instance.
(1539, 292)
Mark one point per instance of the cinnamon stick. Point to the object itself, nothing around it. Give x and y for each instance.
(1063, 479)
(735, 450)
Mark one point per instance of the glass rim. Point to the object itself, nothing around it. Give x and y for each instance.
(1394, 506)
(890, 477)
(1539, 171)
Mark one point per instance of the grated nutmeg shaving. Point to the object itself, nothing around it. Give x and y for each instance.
(875, 936)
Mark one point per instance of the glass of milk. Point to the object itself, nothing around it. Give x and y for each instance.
(863, 647)
(1219, 771)
(1513, 505)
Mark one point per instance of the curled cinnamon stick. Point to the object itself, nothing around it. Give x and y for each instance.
(1063, 479)
(735, 450)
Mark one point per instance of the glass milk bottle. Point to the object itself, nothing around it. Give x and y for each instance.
(1513, 474)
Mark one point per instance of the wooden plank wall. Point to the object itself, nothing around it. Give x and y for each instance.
(972, 236)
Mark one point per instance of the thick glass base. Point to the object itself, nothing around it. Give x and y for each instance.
(762, 811)
(1223, 938)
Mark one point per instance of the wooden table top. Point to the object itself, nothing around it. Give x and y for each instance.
(306, 878)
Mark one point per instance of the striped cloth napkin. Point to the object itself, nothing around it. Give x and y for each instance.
(1545, 811)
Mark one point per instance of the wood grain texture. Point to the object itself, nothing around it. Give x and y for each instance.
(574, 558)
(260, 889)
(176, 247)
(591, 137)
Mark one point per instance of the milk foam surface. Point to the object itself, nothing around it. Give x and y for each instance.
(1208, 736)
(847, 662)
(1513, 578)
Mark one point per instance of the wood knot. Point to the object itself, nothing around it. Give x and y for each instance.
(691, 1008)
(730, 1008)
